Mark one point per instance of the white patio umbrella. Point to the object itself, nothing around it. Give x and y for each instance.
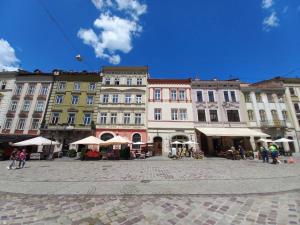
(138, 143)
(91, 140)
(176, 143)
(283, 140)
(37, 141)
(265, 140)
(189, 143)
(117, 140)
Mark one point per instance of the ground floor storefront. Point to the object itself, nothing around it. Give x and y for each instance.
(162, 139)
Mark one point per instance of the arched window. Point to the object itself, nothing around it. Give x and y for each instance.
(262, 114)
(136, 138)
(106, 136)
(285, 115)
(250, 115)
(274, 115)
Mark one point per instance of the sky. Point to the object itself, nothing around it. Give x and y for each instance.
(250, 40)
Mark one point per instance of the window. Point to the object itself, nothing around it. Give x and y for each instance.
(75, 99)
(90, 100)
(44, 90)
(62, 86)
(107, 81)
(126, 118)
(21, 124)
(201, 115)
(55, 118)
(136, 138)
(13, 106)
(233, 116)
(138, 99)
(105, 98)
(7, 124)
(115, 98)
(274, 115)
(92, 86)
(157, 94)
(280, 97)
(226, 96)
(103, 117)
(247, 97)
(59, 99)
(138, 118)
(211, 97)
(292, 91)
(250, 115)
(35, 124)
(87, 119)
(3, 85)
(232, 94)
(263, 116)
(182, 114)
(270, 98)
(129, 81)
(297, 109)
(298, 118)
(173, 95)
(157, 114)
(258, 97)
(127, 98)
(285, 115)
(18, 89)
(199, 96)
(213, 115)
(117, 81)
(181, 95)
(71, 118)
(113, 118)
(31, 89)
(26, 105)
(139, 81)
(174, 114)
(76, 86)
(40, 106)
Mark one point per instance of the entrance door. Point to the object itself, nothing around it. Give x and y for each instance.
(157, 144)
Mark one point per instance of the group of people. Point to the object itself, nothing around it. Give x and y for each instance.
(17, 156)
(265, 151)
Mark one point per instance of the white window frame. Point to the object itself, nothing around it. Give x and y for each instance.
(40, 106)
(90, 100)
(105, 98)
(31, 89)
(21, 124)
(174, 114)
(13, 106)
(76, 86)
(129, 81)
(75, 100)
(173, 95)
(113, 118)
(26, 106)
(157, 114)
(139, 81)
(182, 95)
(34, 125)
(157, 94)
(8, 121)
(44, 89)
(138, 118)
(182, 114)
(71, 119)
(115, 99)
(87, 118)
(19, 88)
(127, 98)
(61, 86)
(59, 99)
(126, 118)
(138, 99)
(103, 118)
(92, 86)
(53, 115)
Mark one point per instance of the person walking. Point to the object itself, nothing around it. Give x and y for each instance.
(264, 154)
(13, 158)
(242, 152)
(22, 158)
(274, 153)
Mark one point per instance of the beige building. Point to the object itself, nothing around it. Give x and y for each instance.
(170, 113)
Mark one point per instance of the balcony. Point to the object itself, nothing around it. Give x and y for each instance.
(273, 123)
(42, 97)
(23, 114)
(10, 114)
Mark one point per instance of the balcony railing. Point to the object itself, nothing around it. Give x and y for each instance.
(273, 123)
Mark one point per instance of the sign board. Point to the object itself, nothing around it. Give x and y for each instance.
(35, 156)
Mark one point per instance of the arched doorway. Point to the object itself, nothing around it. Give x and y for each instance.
(157, 145)
(106, 136)
(136, 138)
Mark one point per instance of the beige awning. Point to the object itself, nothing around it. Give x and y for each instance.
(231, 132)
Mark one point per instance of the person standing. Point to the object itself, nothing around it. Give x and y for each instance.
(13, 158)
(242, 152)
(274, 153)
(22, 158)
(264, 154)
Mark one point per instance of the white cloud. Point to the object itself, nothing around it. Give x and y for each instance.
(271, 21)
(8, 59)
(117, 25)
(266, 4)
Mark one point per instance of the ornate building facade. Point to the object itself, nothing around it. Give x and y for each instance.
(122, 107)
(71, 110)
(170, 113)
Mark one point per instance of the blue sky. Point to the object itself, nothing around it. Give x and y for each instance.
(252, 40)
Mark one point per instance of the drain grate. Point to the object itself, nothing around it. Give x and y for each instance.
(145, 181)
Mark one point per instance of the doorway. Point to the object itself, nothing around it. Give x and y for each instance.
(157, 145)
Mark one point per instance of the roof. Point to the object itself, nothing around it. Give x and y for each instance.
(106, 69)
(169, 81)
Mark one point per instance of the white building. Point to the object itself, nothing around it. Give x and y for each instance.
(170, 113)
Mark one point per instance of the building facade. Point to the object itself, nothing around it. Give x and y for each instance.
(170, 113)
(219, 121)
(7, 85)
(122, 107)
(71, 110)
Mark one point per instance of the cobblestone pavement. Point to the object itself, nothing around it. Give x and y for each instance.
(209, 176)
(280, 209)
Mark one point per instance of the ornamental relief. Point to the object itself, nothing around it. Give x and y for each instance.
(212, 105)
(231, 105)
